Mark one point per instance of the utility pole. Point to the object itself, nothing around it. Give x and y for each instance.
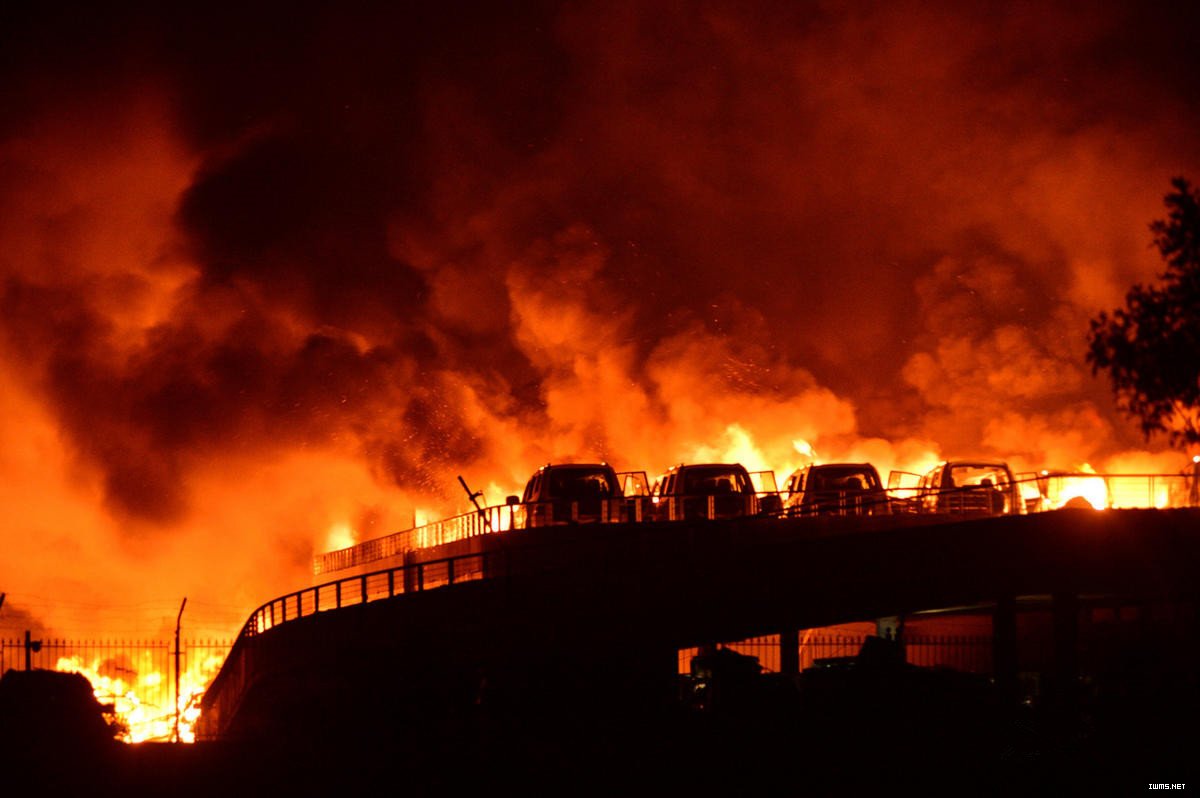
(178, 618)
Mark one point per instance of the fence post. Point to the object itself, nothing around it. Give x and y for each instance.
(178, 620)
(1065, 611)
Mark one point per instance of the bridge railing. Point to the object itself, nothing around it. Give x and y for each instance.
(1042, 492)
(335, 595)
(529, 515)
(364, 588)
(436, 533)
(1032, 492)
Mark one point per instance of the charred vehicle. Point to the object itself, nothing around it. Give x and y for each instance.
(704, 490)
(969, 486)
(835, 489)
(578, 493)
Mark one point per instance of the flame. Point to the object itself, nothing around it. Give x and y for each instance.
(127, 690)
(1093, 490)
(340, 536)
(804, 448)
(739, 447)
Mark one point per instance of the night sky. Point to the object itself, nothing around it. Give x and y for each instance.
(273, 271)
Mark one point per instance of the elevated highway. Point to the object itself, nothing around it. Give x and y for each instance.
(593, 615)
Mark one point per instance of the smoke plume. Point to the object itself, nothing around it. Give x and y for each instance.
(272, 277)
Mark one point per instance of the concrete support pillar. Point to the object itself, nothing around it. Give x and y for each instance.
(1004, 646)
(1066, 655)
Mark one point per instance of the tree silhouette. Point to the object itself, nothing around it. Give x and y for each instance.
(1151, 347)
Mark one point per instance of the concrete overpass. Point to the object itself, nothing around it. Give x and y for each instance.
(593, 615)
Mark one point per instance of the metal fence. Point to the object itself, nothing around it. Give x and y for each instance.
(969, 653)
(137, 677)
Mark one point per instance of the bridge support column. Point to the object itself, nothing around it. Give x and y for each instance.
(789, 652)
(1066, 655)
(1004, 646)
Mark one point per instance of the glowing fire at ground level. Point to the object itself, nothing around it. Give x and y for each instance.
(135, 679)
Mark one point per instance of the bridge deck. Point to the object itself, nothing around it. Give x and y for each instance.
(620, 599)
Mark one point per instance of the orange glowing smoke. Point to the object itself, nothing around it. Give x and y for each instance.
(267, 302)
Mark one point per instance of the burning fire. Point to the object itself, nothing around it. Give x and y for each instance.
(242, 321)
(126, 689)
(1092, 490)
(340, 536)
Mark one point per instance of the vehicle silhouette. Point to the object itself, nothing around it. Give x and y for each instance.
(835, 489)
(572, 493)
(703, 490)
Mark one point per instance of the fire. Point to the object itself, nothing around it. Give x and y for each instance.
(340, 536)
(127, 690)
(1092, 490)
(740, 447)
(213, 370)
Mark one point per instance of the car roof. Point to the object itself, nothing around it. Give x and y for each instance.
(564, 466)
(840, 465)
(980, 461)
(682, 466)
(814, 466)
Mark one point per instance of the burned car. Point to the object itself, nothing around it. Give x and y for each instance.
(969, 486)
(572, 493)
(835, 489)
(704, 490)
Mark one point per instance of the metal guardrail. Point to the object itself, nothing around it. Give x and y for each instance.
(437, 533)
(1033, 492)
(364, 588)
(347, 592)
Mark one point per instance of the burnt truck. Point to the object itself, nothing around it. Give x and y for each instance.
(579, 493)
(705, 490)
(835, 489)
(980, 487)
